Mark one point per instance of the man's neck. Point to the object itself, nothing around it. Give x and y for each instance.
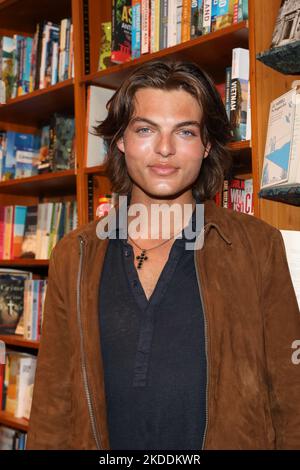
(180, 207)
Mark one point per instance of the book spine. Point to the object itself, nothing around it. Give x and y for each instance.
(172, 20)
(145, 27)
(207, 16)
(186, 21)
(163, 33)
(136, 29)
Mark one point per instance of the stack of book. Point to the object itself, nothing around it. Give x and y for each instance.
(140, 27)
(28, 64)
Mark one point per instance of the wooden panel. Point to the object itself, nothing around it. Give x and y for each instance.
(268, 84)
(16, 340)
(9, 126)
(80, 112)
(61, 182)
(212, 52)
(13, 199)
(9, 420)
(98, 13)
(36, 108)
(14, 12)
(23, 262)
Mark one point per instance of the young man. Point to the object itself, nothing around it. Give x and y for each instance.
(147, 344)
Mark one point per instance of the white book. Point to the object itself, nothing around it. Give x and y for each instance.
(291, 240)
(282, 154)
(96, 112)
(24, 379)
(206, 16)
(145, 18)
(178, 21)
(240, 63)
(46, 230)
(248, 122)
(172, 23)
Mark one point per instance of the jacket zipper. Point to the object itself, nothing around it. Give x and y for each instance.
(82, 354)
(206, 342)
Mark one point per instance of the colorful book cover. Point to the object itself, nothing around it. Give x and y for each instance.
(121, 33)
(105, 46)
(26, 163)
(214, 11)
(29, 247)
(11, 301)
(43, 158)
(63, 147)
(8, 45)
(238, 107)
(9, 167)
(279, 140)
(136, 29)
(18, 230)
(243, 10)
(27, 65)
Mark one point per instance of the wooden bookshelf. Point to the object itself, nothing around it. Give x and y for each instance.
(17, 340)
(6, 419)
(212, 52)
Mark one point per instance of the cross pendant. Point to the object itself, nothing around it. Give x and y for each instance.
(141, 258)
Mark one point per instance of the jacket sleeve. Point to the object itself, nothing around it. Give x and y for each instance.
(49, 425)
(281, 330)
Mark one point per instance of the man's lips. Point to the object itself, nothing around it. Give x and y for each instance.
(163, 170)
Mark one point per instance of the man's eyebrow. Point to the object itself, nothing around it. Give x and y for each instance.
(179, 124)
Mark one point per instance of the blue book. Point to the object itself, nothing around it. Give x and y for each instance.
(136, 31)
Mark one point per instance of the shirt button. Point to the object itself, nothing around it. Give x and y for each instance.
(126, 253)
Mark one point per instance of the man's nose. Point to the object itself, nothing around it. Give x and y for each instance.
(165, 145)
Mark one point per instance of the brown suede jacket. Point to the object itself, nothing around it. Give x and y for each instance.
(251, 316)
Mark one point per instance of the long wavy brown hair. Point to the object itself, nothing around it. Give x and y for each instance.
(215, 127)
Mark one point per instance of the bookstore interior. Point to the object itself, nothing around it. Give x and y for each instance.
(60, 63)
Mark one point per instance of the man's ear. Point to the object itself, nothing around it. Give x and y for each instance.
(120, 144)
(207, 150)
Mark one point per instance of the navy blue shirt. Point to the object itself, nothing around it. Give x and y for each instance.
(153, 352)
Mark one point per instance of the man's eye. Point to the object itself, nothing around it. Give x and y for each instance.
(187, 132)
(143, 130)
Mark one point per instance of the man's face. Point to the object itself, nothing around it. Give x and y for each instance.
(162, 143)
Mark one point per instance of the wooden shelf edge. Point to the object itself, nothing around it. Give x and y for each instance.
(17, 340)
(37, 178)
(28, 262)
(95, 169)
(9, 420)
(240, 145)
(206, 38)
(36, 93)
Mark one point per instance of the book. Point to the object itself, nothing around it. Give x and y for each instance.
(291, 240)
(239, 94)
(11, 299)
(121, 31)
(98, 97)
(105, 46)
(281, 166)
